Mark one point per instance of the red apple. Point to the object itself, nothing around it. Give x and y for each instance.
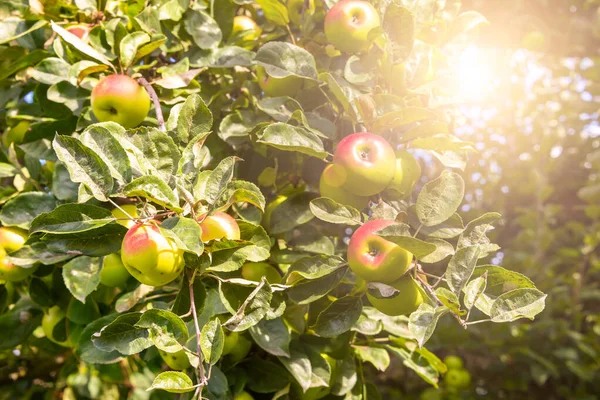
(218, 226)
(81, 31)
(368, 161)
(120, 99)
(330, 185)
(348, 23)
(374, 258)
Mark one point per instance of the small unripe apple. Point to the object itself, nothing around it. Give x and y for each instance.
(81, 31)
(177, 361)
(243, 396)
(374, 258)
(277, 87)
(405, 302)
(120, 99)
(368, 161)
(219, 225)
(114, 273)
(453, 362)
(241, 349)
(150, 257)
(15, 134)
(122, 218)
(408, 173)
(12, 239)
(230, 341)
(457, 378)
(295, 8)
(266, 219)
(330, 185)
(254, 271)
(246, 30)
(13, 273)
(348, 23)
(53, 317)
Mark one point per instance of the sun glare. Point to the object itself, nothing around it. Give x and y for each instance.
(473, 77)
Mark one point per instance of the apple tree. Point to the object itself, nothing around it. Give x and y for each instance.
(235, 199)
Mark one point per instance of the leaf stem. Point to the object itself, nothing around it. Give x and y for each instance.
(430, 292)
(156, 101)
(122, 210)
(291, 34)
(478, 322)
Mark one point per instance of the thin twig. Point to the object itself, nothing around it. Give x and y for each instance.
(119, 207)
(434, 296)
(291, 34)
(156, 101)
(478, 322)
(200, 370)
(418, 229)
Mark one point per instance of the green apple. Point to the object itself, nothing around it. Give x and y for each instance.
(266, 219)
(295, 8)
(368, 162)
(254, 271)
(241, 349)
(245, 31)
(13, 273)
(150, 257)
(12, 239)
(243, 396)
(431, 394)
(330, 185)
(277, 87)
(405, 302)
(219, 225)
(408, 173)
(453, 362)
(457, 378)
(231, 339)
(15, 134)
(373, 258)
(124, 219)
(348, 24)
(53, 317)
(120, 99)
(113, 272)
(177, 361)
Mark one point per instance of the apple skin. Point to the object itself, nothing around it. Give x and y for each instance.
(375, 259)
(120, 99)
(176, 361)
(246, 30)
(122, 218)
(254, 271)
(12, 239)
(407, 301)
(453, 362)
(150, 257)
(408, 173)
(241, 349)
(294, 8)
(50, 320)
(230, 342)
(330, 186)
(13, 273)
(114, 273)
(278, 87)
(218, 226)
(457, 378)
(81, 31)
(266, 219)
(348, 23)
(369, 163)
(15, 134)
(243, 396)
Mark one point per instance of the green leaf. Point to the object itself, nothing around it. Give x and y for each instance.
(313, 267)
(19, 323)
(194, 119)
(166, 330)
(272, 336)
(71, 218)
(12, 28)
(279, 108)
(252, 310)
(298, 364)
(211, 341)
(293, 138)
(422, 322)
(338, 317)
(154, 189)
(82, 276)
(474, 290)
(397, 234)
(449, 299)
(50, 71)
(209, 185)
(95, 243)
(330, 211)
(240, 191)
(475, 234)
(448, 229)
(345, 376)
(405, 116)
(129, 47)
(518, 303)
(21, 210)
(192, 157)
(173, 382)
(80, 45)
(40, 293)
(84, 166)
(440, 198)
(37, 252)
(123, 335)
(88, 352)
(375, 355)
(203, 28)
(274, 11)
(282, 59)
(308, 290)
(127, 301)
(181, 305)
(292, 212)
(443, 250)
(186, 232)
(399, 26)
(98, 138)
(461, 266)
(266, 376)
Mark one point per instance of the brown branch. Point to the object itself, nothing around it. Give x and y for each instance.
(156, 101)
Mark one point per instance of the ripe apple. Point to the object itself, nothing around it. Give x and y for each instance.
(122, 218)
(15, 134)
(113, 272)
(177, 361)
(243, 396)
(254, 271)
(218, 226)
(368, 162)
(150, 257)
(373, 258)
(330, 185)
(266, 219)
(295, 8)
(53, 317)
(246, 30)
(408, 172)
(12, 239)
(120, 99)
(405, 302)
(277, 87)
(348, 23)
(13, 273)
(81, 31)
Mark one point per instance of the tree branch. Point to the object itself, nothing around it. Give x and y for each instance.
(202, 381)
(156, 101)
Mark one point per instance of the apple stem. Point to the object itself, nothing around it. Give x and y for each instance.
(437, 300)
(291, 34)
(156, 101)
(202, 381)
